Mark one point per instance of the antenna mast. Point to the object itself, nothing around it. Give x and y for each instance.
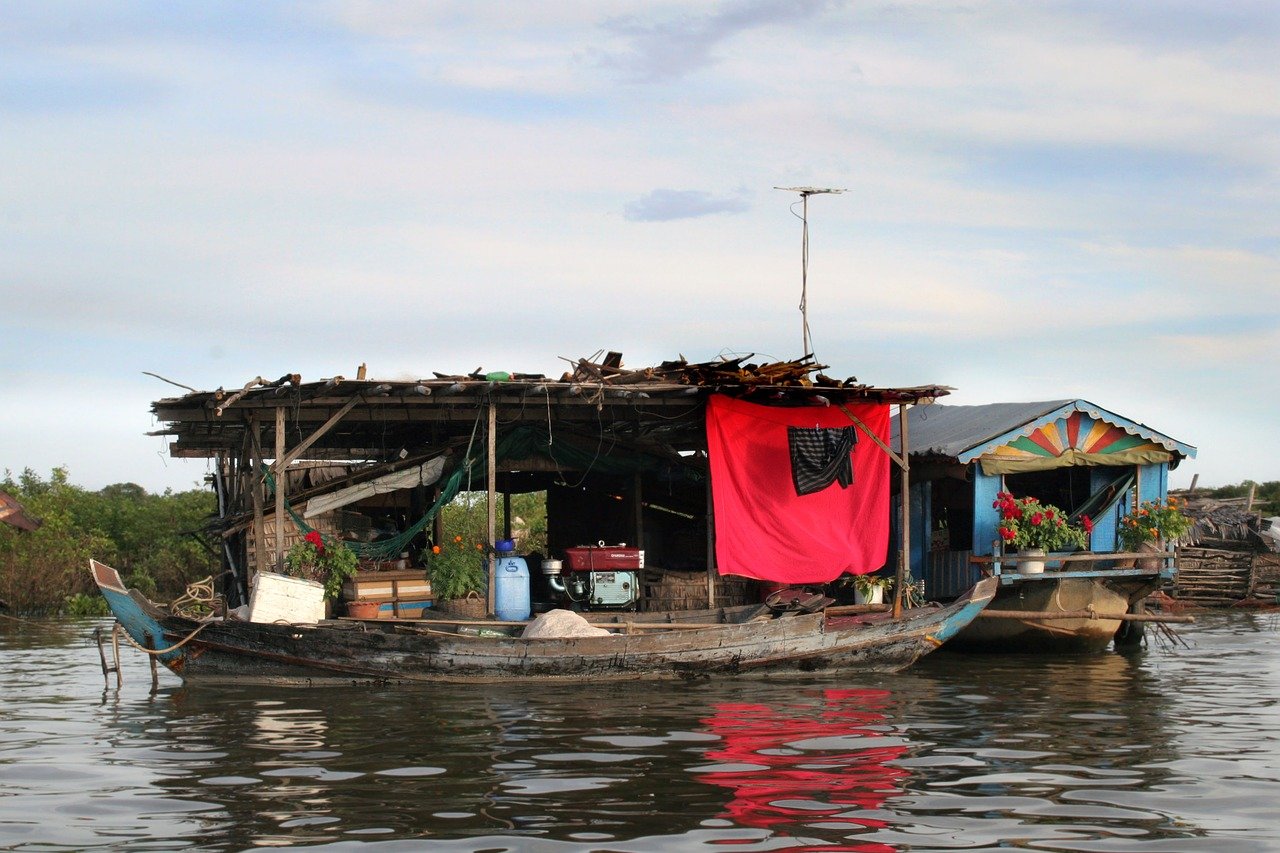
(805, 192)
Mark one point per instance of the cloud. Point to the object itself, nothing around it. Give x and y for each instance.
(666, 205)
(671, 49)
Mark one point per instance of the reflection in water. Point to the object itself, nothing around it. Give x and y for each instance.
(791, 765)
(1170, 749)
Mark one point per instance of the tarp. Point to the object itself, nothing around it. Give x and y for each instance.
(764, 529)
(419, 475)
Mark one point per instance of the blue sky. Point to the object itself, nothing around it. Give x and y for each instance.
(1042, 200)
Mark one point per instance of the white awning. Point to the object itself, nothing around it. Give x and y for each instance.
(419, 475)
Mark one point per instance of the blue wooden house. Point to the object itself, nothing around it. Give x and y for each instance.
(1069, 453)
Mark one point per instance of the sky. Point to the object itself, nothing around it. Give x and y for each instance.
(1042, 200)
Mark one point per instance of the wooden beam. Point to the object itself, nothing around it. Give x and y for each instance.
(287, 459)
(900, 460)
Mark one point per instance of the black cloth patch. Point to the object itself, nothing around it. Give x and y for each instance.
(821, 456)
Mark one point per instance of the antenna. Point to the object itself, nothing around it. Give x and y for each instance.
(805, 192)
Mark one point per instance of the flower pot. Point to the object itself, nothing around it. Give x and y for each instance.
(1033, 566)
(872, 596)
(1152, 564)
(363, 609)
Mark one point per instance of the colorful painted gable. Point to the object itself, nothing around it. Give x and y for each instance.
(1077, 438)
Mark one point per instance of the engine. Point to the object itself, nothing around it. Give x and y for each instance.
(597, 577)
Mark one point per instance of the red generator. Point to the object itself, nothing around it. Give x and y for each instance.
(598, 577)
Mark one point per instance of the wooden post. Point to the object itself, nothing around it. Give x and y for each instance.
(1248, 504)
(492, 440)
(506, 515)
(437, 523)
(711, 546)
(637, 500)
(904, 555)
(279, 556)
(259, 496)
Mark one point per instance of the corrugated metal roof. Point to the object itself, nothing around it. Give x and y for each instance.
(965, 432)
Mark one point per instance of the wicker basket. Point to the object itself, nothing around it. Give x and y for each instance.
(473, 606)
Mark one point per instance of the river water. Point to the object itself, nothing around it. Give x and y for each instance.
(1172, 748)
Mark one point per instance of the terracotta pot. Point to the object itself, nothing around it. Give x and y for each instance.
(1153, 564)
(363, 609)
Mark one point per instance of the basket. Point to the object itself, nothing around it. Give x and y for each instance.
(472, 606)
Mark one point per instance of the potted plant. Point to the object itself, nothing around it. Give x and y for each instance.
(329, 564)
(458, 578)
(1035, 529)
(871, 589)
(1151, 527)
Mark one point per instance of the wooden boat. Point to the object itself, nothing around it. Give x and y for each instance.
(689, 644)
(1066, 609)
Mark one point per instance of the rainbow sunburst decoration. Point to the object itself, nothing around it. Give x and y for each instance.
(1077, 431)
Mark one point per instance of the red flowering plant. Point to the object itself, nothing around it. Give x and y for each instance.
(312, 559)
(1027, 523)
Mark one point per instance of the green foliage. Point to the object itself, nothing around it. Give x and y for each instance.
(868, 584)
(467, 517)
(455, 568)
(84, 605)
(1153, 521)
(145, 536)
(329, 563)
(1027, 523)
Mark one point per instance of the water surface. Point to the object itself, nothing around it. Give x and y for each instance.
(1170, 749)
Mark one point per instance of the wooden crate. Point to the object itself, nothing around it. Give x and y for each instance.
(406, 585)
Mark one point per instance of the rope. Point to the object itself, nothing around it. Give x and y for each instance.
(197, 601)
(173, 648)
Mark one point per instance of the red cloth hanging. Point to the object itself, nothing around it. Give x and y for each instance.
(764, 530)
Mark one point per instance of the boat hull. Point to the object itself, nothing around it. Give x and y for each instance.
(1106, 596)
(355, 652)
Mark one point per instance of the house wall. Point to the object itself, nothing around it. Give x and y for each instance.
(985, 517)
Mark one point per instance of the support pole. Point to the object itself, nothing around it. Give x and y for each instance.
(278, 562)
(711, 548)
(904, 554)
(259, 496)
(492, 504)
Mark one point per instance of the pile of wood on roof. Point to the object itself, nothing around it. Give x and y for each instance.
(724, 371)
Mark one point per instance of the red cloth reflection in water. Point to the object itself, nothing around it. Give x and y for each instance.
(792, 787)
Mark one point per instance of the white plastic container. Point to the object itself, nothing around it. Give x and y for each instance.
(280, 598)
